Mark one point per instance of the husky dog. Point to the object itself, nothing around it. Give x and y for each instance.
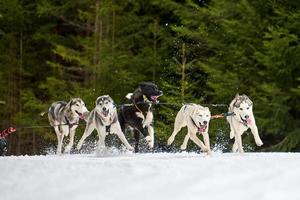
(104, 119)
(138, 116)
(64, 117)
(196, 118)
(242, 120)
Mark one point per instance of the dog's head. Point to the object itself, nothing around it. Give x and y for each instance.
(77, 106)
(201, 117)
(150, 90)
(242, 107)
(105, 105)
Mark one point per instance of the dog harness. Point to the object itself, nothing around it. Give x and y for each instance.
(107, 128)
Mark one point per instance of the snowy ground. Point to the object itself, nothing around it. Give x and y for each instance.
(252, 176)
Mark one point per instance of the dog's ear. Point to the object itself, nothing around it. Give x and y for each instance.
(237, 96)
(247, 99)
(142, 84)
(207, 109)
(110, 99)
(97, 101)
(194, 110)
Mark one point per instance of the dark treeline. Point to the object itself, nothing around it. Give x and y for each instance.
(202, 51)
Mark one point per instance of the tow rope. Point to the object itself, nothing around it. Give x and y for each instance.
(227, 114)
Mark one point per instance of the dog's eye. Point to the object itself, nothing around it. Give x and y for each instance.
(77, 104)
(241, 108)
(248, 108)
(106, 103)
(200, 115)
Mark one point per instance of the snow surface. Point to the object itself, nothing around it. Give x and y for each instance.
(253, 176)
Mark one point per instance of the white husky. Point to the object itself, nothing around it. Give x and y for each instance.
(242, 120)
(196, 118)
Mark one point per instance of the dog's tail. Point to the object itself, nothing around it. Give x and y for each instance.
(129, 95)
(42, 114)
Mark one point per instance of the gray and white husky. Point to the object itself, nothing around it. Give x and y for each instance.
(242, 120)
(196, 118)
(64, 117)
(104, 119)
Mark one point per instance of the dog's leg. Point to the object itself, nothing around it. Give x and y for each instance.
(102, 134)
(229, 119)
(137, 140)
(151, 135)
(238, 139)
(206, 140)
(60, 138)
(234, 147)
(257, 139)
(88, 130)
(177, 128)
(185, 142)
(197, 141)
(116, 128)
(72, 134)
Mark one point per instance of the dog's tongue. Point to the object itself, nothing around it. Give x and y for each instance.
(248, 121)
(81, 116)
(154, 98)
(202, 128)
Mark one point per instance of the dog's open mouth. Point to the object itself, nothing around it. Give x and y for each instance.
(246, 121)
(202, 128)
(81, 116)
(105, 113)
(155, 98)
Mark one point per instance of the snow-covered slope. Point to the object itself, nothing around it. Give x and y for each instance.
(253, 176)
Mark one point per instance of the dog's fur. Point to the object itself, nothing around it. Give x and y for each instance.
(105, 120)
(196, 118)
(138, 116)
(242, 120)
(64, 117)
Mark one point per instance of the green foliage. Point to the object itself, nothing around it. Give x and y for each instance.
(196, 51)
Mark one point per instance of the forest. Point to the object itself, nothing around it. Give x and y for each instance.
(196, 51)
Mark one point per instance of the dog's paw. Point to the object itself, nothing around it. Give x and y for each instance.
(130, 148)
(182, 147)
(259, 143)
(68, 149)
(205, 149)
(150, 141)
(170, 140)
(79, 145)
(241, 150)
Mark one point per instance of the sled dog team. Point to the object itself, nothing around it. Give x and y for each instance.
(137, 115)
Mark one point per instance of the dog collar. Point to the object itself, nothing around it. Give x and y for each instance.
(146, 99)
(194, 123)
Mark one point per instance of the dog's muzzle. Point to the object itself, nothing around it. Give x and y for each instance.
(154, 98)
(247, 120)
(81, 116)
(105, 112)
(202, 127)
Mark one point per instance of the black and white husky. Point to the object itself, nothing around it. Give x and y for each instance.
(104, 119)
(138, 115)
(242, 120)
(64, 117)
(196, 118)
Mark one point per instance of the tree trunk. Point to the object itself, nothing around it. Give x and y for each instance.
(183, 62)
